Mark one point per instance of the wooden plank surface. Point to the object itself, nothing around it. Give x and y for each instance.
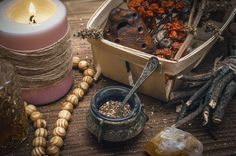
(79, 142)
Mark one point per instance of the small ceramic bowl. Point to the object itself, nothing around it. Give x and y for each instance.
(118, 129)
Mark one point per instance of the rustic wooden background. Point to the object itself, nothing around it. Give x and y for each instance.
(79, 142)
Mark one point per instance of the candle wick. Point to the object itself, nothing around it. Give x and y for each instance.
(32, 20)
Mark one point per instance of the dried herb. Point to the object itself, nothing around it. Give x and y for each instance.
(111, 109)
(166, 23)
(90, 34)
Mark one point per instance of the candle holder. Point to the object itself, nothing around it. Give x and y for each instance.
(14, 123)
(115, 129)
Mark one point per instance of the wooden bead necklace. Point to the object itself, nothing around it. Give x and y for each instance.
(59, 133)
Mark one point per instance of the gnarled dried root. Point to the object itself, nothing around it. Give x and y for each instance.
(228, 94)
(218, 89)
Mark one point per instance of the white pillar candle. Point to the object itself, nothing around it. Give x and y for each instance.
(16, 32)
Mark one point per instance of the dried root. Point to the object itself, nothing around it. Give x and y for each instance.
(201, 91)
(206, 110)
(206, 114)
(193, 84)
(228, 94)
(182, 94)
(186, 109)
(204, 76)
(217, 91)
(182, 113)
(190, 116)
(199, 77)
(176, 102)
(212, 98)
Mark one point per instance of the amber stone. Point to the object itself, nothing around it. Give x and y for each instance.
(174, 142)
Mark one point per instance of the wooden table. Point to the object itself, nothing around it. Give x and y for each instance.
(80, 142)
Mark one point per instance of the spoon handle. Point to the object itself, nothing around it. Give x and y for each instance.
(149, 68)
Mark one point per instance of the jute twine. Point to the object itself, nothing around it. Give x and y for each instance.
(42, 67)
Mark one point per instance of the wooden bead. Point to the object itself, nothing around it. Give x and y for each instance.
(83, 65)
(62, 123)
(56, 141)
(64, 114)
(75, 61)
(84, 86)
(59, 131)
(40, 123)
(72, 99)
(41, 132)
(53, 150)
(38, 151)
(39, 142)
(67, 106)
(88, 80)
(35, 116)
(89, 72)
(79, 93)
(29, 109)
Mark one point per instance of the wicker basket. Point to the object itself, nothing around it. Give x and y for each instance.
(111, 59)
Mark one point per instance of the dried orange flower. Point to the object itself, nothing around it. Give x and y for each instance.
(176, 30)
(134, 4)
(166, 53)
(155, 8)
(176, 45)
(149, 13)
(173, 34)
(175, 25)
(150, 10)
(180, 6)
(167, 4)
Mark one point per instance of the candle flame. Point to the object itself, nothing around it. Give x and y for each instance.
(32, 10)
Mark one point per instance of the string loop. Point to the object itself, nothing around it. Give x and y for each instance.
(42, 67)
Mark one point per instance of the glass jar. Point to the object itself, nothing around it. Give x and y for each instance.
(13, 119)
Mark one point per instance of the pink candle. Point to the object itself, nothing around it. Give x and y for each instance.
(28, 26)
(17, 33)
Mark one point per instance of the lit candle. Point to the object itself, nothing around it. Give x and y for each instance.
(32, 13)
(18, 32)
(31, 25)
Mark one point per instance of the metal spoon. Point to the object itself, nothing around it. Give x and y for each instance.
(149, 68)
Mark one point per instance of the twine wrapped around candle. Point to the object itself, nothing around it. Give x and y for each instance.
(42, 67)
